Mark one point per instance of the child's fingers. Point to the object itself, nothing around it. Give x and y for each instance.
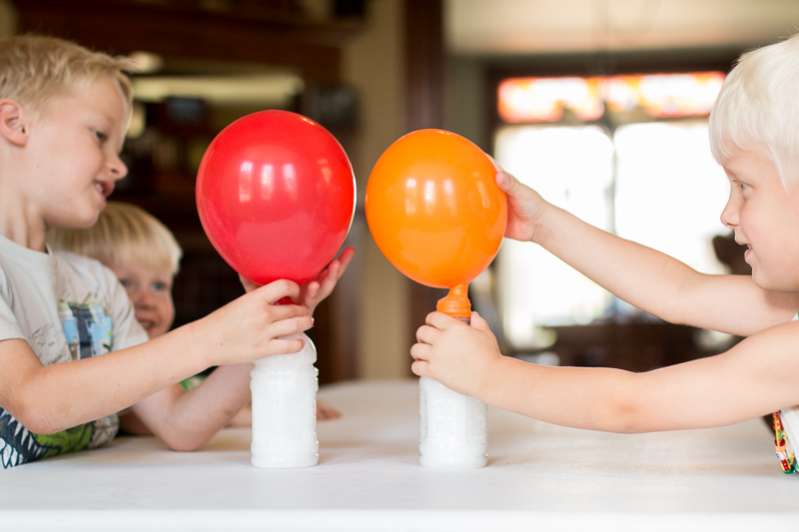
(280, 346)
(420, 351)
(277, 290)
(248, 285)
(330, 277)
(324, 412)
(421, 368)
(345, 258)
(290, 326)
(311, 290)
(503, 180)
(284, 312)
(333, 273)
(338, 266)
(427, 334)
(479, 323)
(441, 321)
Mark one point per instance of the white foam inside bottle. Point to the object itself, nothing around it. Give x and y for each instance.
(284, 409)
(452, 428)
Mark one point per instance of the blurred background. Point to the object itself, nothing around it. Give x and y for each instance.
(601, 105)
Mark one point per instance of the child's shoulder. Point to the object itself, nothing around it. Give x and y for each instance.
(85, 270)
(79, 263)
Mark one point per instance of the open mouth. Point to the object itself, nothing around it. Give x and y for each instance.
(104, 188)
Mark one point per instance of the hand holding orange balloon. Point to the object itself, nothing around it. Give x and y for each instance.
(435, 211)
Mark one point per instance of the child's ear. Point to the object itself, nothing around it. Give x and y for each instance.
(13, 125)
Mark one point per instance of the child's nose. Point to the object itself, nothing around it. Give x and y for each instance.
(143, 299)
(729, 215)
(117, 168)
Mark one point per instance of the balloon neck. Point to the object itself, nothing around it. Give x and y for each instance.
(285, 301)
(456, 303)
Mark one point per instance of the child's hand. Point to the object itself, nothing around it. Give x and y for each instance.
(253, 326)
(458, 355)
(248, 285)
(525, 207)
(326, 412)
(314, 292)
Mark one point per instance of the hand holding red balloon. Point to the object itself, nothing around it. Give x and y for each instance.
(316, 291)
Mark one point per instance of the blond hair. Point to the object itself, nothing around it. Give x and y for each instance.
(124, 234)
(757, 107)
(34, 68)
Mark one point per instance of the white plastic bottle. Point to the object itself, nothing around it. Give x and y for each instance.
(452, 428)
(284, 409)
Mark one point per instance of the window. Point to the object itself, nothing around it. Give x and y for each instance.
(643, 171)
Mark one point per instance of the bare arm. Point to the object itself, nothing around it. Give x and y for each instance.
(187, 420)
(646, 278)
(660, 284)
(250, 327)
(755, 377)
(34, 394)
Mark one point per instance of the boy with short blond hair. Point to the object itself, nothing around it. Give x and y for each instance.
(73, 354)
(754, 133)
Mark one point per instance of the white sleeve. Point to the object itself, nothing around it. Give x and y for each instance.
(127, 331)
(9, 328)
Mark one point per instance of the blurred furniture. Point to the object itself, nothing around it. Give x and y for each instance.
(540, 477)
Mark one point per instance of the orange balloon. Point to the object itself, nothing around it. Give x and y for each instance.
(434, 208)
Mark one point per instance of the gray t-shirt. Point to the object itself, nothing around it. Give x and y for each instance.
(66, 307)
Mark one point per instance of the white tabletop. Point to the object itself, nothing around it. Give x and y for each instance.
(539, 478)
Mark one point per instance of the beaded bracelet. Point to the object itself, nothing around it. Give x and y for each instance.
(786, 456)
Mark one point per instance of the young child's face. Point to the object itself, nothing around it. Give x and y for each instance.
(150, 291)
(764, 216)
(72, 152)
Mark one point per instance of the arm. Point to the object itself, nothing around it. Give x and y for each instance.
(250, 327)
(185, 421)
(753, 378)
(730, 303)
(34, 394)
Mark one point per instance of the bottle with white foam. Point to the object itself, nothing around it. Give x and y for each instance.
(452, 431)
(284, 409)
(452, 426)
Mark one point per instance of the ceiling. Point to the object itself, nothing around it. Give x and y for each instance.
(526, 27)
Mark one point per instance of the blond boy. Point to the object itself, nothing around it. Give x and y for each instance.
(755, 137)
(73, 353)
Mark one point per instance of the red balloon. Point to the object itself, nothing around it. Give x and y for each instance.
(276, 196)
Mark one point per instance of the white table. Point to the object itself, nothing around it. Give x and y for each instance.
(540, 478)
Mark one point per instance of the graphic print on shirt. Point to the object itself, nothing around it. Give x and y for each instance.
(88, 330)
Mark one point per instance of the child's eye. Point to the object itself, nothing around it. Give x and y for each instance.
(101, 136)
(160, 286)
(126, 283)
(741, 186)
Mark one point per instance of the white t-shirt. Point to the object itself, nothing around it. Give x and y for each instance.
(66, 307)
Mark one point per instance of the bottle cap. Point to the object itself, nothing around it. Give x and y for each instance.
(456, 303)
